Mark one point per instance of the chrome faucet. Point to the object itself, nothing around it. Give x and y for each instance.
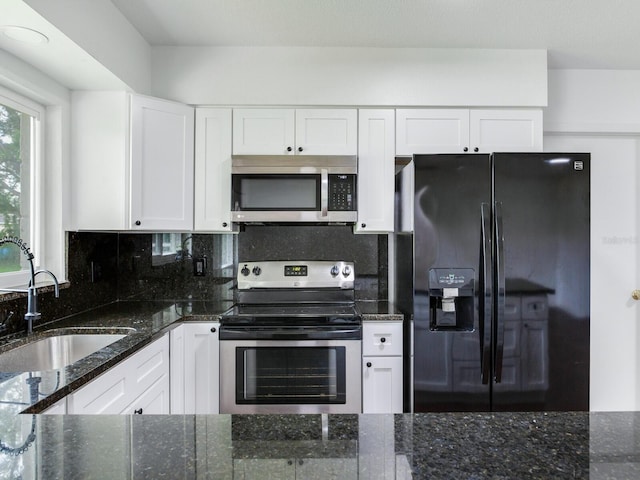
(31, 291)
(32, 298)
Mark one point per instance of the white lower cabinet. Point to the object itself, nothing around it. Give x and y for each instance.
(139, 384)
(195, 378)
(294, 468)
(382, 382)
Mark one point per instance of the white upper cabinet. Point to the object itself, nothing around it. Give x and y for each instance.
(459, 130)
(212, 209)
(431, 130)
(376, 169)
(161, 164)
(282, 131)
(131, 163)
(505, 130)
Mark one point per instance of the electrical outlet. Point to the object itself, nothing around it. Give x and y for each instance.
(199, 266)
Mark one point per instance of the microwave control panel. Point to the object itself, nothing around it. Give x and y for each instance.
(342, 192)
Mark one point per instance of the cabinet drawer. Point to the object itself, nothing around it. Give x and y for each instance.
(382, 338)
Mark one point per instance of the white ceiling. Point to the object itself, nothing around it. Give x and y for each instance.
(577, 33)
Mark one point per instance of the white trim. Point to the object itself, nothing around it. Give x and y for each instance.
(553, 128)
(18, 102)
(37, 231)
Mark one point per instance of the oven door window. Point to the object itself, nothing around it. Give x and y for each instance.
(276, 192)
(290, 375)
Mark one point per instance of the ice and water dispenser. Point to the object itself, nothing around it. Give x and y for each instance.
(451, 298)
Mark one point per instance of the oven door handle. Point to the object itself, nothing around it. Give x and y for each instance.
(248, 333)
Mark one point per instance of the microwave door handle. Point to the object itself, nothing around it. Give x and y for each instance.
(324, 192)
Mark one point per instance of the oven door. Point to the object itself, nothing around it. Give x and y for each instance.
(290, 376)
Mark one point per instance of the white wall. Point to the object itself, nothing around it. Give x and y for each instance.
(599, 111)
(349, 76)
(99, 28)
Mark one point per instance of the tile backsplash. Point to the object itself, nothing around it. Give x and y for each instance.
(105, 267)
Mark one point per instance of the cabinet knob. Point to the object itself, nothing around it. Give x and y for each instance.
(382, 340)
(300, 149)
(289, 462)
(635, 294)
(363, 225)
(368, 364)
(465, 149)
(300, 462)
(476, 149)
(138, 223)
(213, 330)
(289, 149)
(138, 411)
(224, 224)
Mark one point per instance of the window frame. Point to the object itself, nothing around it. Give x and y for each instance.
(37, 233)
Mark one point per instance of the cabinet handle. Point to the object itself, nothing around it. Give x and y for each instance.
(289, 149)
(382, 340)
(300, 149)
(138, 223)
(138, 412)
(368, 364)
(476, 149)
(465, 149)
(213, 330)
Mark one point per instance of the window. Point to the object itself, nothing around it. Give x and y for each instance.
(20, 134)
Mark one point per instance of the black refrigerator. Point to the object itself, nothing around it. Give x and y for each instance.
(492, 273)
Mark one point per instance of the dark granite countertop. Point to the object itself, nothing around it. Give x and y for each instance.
(142, 322)
(380, 310)
(435, 446)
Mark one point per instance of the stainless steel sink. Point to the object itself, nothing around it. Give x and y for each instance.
(54, 352)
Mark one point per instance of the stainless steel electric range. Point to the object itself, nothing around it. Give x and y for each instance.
(292, 342)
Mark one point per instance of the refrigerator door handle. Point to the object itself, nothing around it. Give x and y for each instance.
(486, 292)
(499, 289)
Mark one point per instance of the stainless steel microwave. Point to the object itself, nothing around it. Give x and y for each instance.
(300, 188)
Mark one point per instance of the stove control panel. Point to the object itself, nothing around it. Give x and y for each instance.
(296, 274)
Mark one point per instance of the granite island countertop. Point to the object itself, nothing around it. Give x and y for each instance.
(438, 445)
(432, 445)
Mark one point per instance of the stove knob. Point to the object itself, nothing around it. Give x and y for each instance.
(335, 270)
(244, 271)
(346, 271)
(257, 271)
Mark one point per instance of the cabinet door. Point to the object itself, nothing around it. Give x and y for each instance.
(506, 130)
(261, 468)
(201, 368)
(162, 136)
(535, 355)
(117, 388)
(212, 207)
(154, 400)
(263, 131)
(322, 468)
(321, 131)
(382, 385)
(432, 130)
(376, 170)
(176, 366)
